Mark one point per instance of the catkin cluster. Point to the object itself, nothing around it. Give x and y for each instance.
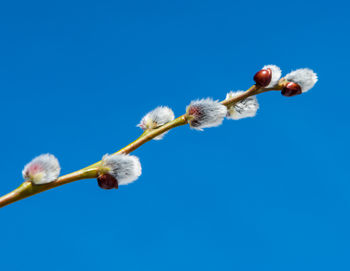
(122, 169)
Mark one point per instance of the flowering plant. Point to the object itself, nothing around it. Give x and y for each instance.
(120, 168)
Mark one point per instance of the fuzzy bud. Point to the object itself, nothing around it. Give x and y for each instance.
(305, 78)
(156, 118)
(42, 169)
(122, 167)
(242, 109)
(107, 181)
(275, 75)
(268, 76)
(205, 113)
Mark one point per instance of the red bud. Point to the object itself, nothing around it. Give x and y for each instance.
(107, 181)
(291, 89)
(195, 112)
(263, 77)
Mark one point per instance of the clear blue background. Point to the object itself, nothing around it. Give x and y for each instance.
(268, 193)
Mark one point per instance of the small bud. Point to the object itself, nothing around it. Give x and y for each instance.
(268, 76)
(156, 118)
(205, 113)
(263, 77)
(275, 75)
(242, 109)
(291, 89)
(122, 167)
(107, 181)
(305, 78)
(42, 169)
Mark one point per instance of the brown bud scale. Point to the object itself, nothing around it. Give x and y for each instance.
(291, 89)
(107, 181)
(263, 77)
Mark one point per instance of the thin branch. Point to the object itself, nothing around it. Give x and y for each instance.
(28, 189)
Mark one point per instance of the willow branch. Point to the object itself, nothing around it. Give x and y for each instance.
(28, 189)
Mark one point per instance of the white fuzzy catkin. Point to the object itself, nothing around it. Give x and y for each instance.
(242, 109)
(305, 78)
(156, 118)
(275, 75)
(125, 168)
(205, 113)
(42, 169)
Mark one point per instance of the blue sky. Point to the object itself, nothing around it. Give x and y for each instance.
(267, 193)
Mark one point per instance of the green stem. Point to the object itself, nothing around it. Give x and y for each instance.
(251, 91)
(28, 189)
